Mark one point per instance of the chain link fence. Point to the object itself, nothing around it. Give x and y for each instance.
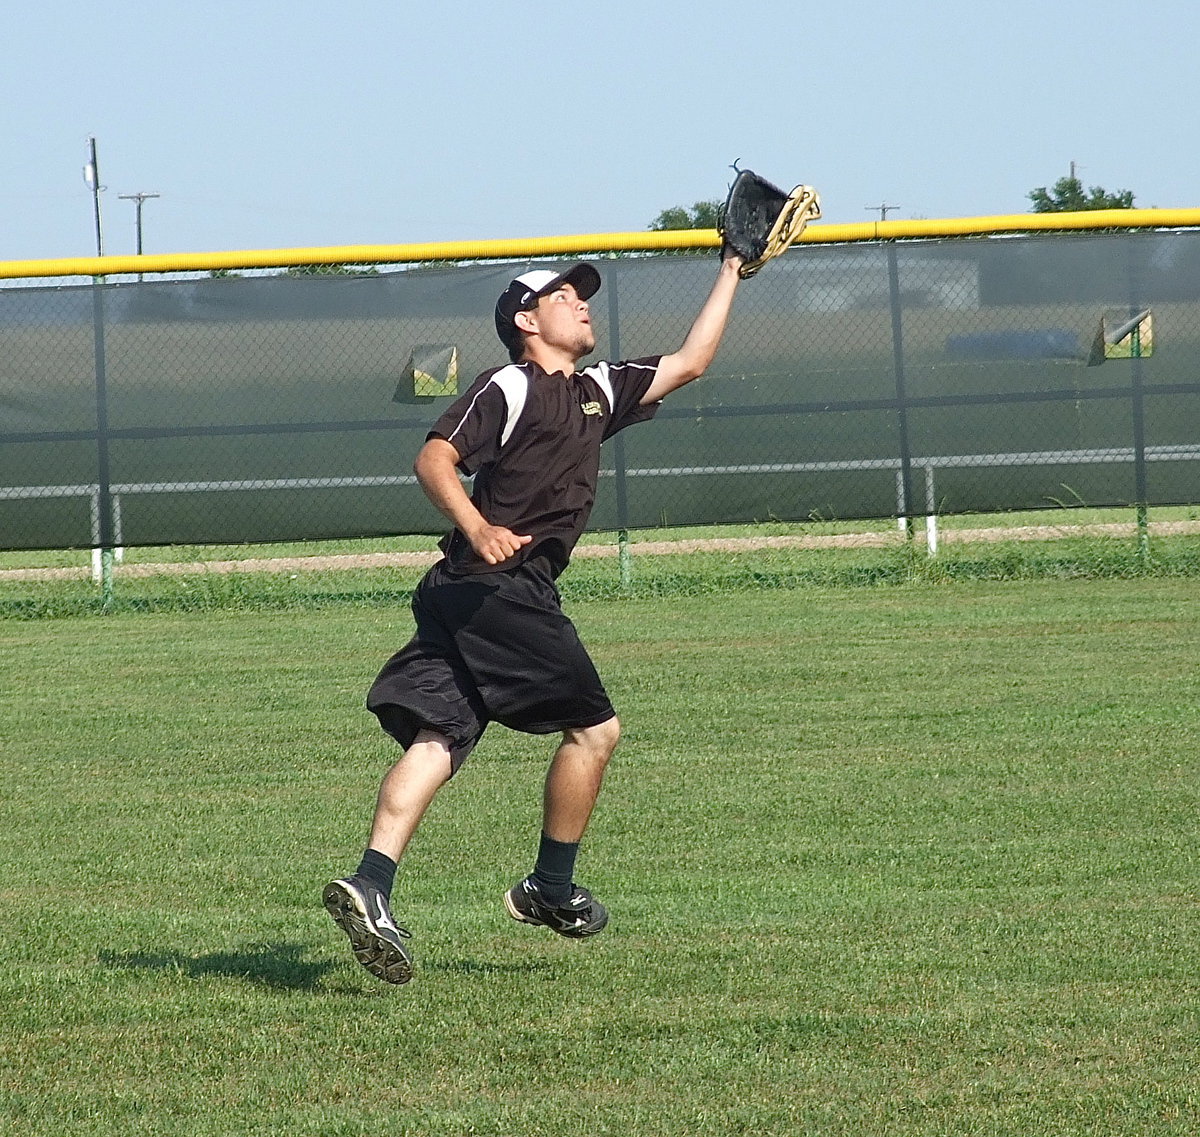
(863, 380)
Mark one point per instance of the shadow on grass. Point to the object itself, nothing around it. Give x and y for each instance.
(279, 966)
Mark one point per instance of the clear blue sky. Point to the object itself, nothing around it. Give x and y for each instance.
(279, 123)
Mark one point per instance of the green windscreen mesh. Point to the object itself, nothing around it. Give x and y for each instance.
(854, 381)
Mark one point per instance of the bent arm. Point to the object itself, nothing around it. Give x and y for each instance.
(703, 339)
(436, 470)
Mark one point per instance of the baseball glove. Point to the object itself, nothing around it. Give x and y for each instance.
(759, 221)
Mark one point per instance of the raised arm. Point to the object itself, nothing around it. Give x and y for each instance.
(704, 337)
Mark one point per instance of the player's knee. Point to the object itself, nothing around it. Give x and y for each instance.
(600, 740)
(612, 734)
(430, 756)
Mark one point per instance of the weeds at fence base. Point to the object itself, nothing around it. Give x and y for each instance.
(660, 575)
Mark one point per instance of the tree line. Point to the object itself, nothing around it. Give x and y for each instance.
(1067, 195)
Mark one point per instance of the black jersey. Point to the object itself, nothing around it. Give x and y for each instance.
(532, 441)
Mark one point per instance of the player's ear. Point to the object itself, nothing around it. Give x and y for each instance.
(526, 321)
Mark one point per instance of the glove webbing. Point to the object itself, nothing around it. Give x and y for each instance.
(802, 206)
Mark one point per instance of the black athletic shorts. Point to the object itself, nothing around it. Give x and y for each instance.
(494, 647)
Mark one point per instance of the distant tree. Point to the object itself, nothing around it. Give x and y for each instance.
(1068, 196)
(702, 215)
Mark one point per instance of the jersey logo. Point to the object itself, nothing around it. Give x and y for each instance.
(592, 409)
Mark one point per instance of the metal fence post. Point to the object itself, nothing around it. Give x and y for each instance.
(624, 556)
(901, 393)
(1141, 488)
(103, 480)
(931, 520)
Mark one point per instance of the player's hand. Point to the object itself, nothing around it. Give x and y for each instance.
(496, 544)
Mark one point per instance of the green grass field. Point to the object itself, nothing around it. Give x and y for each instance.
(910, 858)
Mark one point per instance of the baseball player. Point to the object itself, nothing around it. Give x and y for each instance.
(492, 643)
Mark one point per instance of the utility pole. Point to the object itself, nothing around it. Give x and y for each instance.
(91, 175)
(138, 199)
(884, 209)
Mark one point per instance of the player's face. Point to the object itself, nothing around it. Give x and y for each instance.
(563, 321)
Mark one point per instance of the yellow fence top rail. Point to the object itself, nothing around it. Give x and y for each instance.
(579, 244)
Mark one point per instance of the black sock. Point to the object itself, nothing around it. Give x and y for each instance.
(555, 866)
(378, 870)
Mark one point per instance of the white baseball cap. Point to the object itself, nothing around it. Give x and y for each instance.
(523, 293)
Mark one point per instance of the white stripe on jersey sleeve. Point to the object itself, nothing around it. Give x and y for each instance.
(600, 374)
(513, 381)
(514, 385)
